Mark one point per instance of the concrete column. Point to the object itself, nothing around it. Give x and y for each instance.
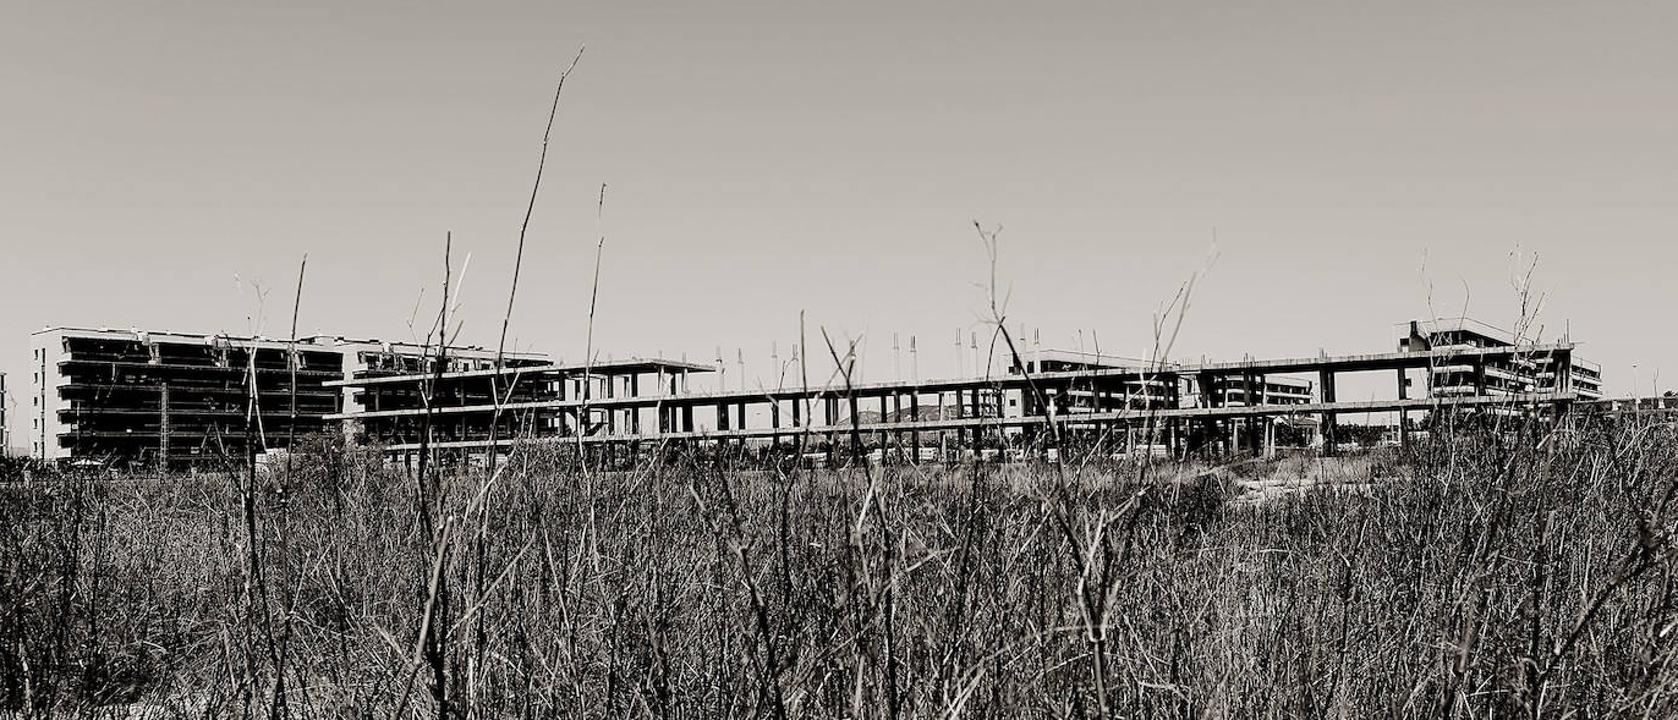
(884, 439)
(961, 413)
(856, 438)
(1208, 384)
(559, 394)
(775, 421)
(1563, 367)
(740, 411)
(163, 428)
(1403, 415)
(915, 436)
(897, 415)
(635, 412)
(830, 413)
(611, 416)
(1330, 435)
(1028, 408)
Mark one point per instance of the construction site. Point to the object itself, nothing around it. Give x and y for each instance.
(182, 400)
(171, 399)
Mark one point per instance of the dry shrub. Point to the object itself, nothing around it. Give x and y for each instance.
(1490, 572)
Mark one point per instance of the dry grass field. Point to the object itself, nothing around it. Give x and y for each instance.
(1522, 573)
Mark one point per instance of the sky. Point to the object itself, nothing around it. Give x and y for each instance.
(1324, 169)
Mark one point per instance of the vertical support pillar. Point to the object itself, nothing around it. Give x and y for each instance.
(611, 414)
(915, 435)
(856, 438)
(830, 413)
(775, 421)
(740, 412)
(163, 428)
(585, 420)
(897, 417)
(1028, 408)
(635, 411)
(1403, 415)
(1329, 432)
(1208, 384)
(961, 414)
(1562, 366)
(885, 439)
(560, 393)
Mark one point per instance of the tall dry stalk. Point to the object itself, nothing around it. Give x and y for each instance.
(431, 643)
(499, 397)
(518, 260)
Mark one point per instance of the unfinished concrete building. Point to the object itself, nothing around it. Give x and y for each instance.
(1515, 374)
(1170, 387)
(178, 399)
(473, 405)
(171, 399)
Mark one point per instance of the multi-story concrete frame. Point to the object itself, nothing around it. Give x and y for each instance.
(469, 401)
(1254, 390)
(1269, 390)
(1140, 391)
(177, 399)
(371, 361)
(169, 398)
(1515, 374)
(1135, 389)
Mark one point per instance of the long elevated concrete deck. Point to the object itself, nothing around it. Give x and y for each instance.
(604, 367)
(1338, 364)
(1120, 417)
(1087, 398)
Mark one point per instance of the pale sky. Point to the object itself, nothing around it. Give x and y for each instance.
(158, 158)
